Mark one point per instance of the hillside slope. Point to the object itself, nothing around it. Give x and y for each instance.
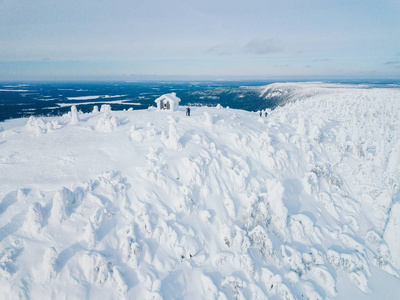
(222, 204)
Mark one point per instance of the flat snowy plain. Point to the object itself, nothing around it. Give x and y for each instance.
(303, 204)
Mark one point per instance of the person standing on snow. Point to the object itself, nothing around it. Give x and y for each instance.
(188, 111)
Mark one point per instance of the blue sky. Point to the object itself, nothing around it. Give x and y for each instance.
(216, 39)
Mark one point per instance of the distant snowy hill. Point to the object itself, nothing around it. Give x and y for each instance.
(220, 205)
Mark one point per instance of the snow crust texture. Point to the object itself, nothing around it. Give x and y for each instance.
(220, 205)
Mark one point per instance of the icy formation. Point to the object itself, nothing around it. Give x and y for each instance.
(221, 204)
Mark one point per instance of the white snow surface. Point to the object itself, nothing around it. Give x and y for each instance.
(13, 90)
(95, 97)
(221, 204)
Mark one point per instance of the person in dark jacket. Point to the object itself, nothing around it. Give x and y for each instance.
(188, 111)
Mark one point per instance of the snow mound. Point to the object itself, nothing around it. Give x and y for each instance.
(216, 205)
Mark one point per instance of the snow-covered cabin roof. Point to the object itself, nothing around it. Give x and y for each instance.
(170, 97)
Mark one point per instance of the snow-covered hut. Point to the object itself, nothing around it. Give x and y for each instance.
(168, 101)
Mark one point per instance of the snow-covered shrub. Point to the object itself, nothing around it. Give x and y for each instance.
(105, 108)
(107, 123)
(8, 262)
(97, 270)
(136, 135)
(40, 126)
(392, 236)
(34, 219)
(260, 240)
(143, 134)
(208, 119)
(235, 287)
(89, 235)
(173, 139)
(37, 125)
(49, 264)
(62, 205)
(206, 216)
(131, 252)
(278, 210)
(74, 115)
(230, 206)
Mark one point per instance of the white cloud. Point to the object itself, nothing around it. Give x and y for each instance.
(220, 50)
(392, 62)
(257, 46)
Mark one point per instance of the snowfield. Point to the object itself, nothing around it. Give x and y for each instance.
(303, 204)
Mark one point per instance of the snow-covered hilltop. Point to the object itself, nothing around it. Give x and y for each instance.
(222, 204)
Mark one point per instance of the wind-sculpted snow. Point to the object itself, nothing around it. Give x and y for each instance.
(221, 204)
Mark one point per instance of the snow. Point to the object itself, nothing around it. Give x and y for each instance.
(221, 204)
(95, 97)
(15, 91)
(98, 102)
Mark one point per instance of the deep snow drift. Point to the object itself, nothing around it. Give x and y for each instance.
(222, 204)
